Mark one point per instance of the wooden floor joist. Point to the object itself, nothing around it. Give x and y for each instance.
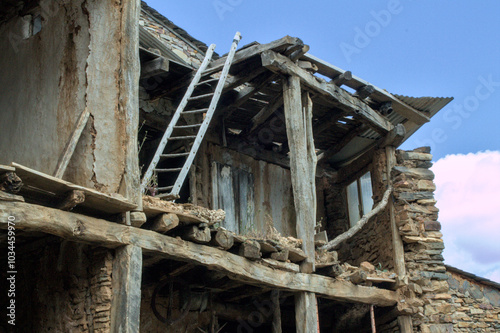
(91, 230)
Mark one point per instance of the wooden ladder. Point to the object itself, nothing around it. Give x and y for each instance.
(172, 192)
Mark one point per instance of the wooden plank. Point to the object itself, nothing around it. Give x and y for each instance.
(4, 196)
(306, 313)
(73, 198)
(126, 283)
(280, 44)
(94, 199)
(285, 266)
(302, 165)
(379, 95)
(6, 168)
(154, 67)
(81, 228)
(153, 211)
(339, 97)
(71, 145)
(265, 113)
(405, 322)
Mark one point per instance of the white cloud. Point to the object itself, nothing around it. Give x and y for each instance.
(468, 197)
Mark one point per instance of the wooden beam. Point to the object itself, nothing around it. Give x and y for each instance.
(302, 165)
(72, 199)
(280, 44)
(298, 119)
(364, 92)
(71, 145)
(306, 313)
(154, 67)
(86, 229)
(265, 113)
(380, 95)
(341, 78)
(405, 322)
(342, 99)
(126, 283)
(326, 155)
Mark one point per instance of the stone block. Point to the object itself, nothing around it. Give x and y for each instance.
(414, 196)
(437, 328)
(432, 226)
(424, 149)
(418, 173)
(410, 155)
(426, 185)
(434, 276)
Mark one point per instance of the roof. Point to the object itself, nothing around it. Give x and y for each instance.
(473, 277)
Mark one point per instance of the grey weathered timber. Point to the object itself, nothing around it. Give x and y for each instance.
(71, 145)
(154, 67)
(405, 322)
(165, 222)
(306, 313)
(86, 229)
(298, 120)
(126, 302)
(281, 64)
(129, 97)
(380, 95)
(266, 112)
(275, 298)
(302, 165)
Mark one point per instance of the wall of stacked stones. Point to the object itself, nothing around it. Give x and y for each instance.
(475, 306)
(178, 45)
(62, 287)
(417, 219)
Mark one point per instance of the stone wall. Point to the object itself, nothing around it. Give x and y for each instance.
(417, 220)
(180, 46)
(62, 287)
(475, 305)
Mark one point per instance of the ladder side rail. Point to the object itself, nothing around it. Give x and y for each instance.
(149, 173)
(206, 122)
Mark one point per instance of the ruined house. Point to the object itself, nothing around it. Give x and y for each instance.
(149, 185)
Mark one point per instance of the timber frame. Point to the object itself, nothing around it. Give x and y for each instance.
(329, 129)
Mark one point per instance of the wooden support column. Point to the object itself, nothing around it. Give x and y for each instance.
(303, 169)
(126, 303)
(405, 322)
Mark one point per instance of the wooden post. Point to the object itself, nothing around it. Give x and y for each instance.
(405, 322)
(275, 298)
(126, 303)
(303, 171)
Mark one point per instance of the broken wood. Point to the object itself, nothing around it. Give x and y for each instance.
(333, 270)
(197, 234)
(71, 145)
(265, 247)
(163, 223)
(280, 255)
(250, 250)
(333, 244)
(86, 229)
(285, 266)
(358, 276)
(222, 238)
(10, 182)
(72, 199)
(137, 219)
(4, 196)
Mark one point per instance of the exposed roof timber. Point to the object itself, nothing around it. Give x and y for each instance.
(325, 156)
(278, 45)
(281, 64)
(379, 95)
(265, 113)
(393, 138)
(147, 40)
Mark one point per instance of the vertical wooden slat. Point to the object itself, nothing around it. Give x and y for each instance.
(302, 166)
(405, 322)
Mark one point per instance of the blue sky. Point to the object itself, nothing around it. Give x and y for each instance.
(408, 47)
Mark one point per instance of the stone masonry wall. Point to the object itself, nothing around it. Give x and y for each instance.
(476, 306)
(63, 287)
(179, 46)
(417, 219)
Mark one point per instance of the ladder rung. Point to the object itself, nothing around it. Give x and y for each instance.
(187, 126)
(166, 188)
(207, 81)
(193, 98)
(187, 137)
(195, 111)
(174, 155)
(168, 170)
